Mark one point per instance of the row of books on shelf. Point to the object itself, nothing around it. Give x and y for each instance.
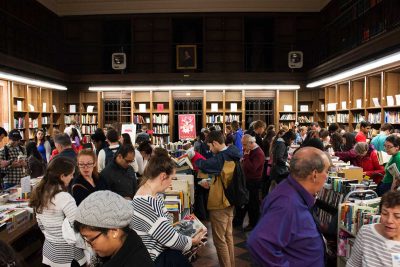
(86, 119)
(88, 129)
(324, 216)
(358, 117)
(33, 123)
(214, 119)
(19, 123)
(374, 117)
(305, 119)
(288, 116)
(162, 118)
(46, 120)
(69, 118)
(161, 129)
(331, 118)
(139, 119)
(392, 117)
(330, 197)
(354, 215)
(342, 117)
(161, 140)
(231, 117)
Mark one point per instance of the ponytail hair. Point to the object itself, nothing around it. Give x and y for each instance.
(159, 162)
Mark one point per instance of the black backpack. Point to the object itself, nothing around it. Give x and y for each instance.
(236, 192)
(110, 154)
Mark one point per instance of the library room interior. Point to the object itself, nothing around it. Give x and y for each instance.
(200, 133)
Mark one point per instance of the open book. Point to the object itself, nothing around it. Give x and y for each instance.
(383, 157)
(182, 161)
(189, 225)
(394, 171)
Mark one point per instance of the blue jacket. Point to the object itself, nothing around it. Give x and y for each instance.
(215, 164)
(237, 136)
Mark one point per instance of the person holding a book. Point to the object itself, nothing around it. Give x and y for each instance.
(151, 220)
(391, 178)
(103, 220)
(379, 244)
(366, 157)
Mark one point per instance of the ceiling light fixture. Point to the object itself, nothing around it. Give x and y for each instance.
(195, 87)
(357, 70)
(29, 81)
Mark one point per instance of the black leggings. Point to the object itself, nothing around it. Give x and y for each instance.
(172, 258)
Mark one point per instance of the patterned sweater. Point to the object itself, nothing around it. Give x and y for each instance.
(151, 222)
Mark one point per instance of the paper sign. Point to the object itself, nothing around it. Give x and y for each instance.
(375, 100)
(397, 100)
(44, 107)
(288, 108)
(89, 108)
(390, 100)
(72, 108)
(322, 107)
(344, 105)
(19, 105)
(304, 108)
(54, 108)
(129, 129)
(358, 103)
(31, 107)
(160, 107)
(26, 184)
(142, 108)
(187, 126)
(214, 107)
(332, 106)
(233, 107)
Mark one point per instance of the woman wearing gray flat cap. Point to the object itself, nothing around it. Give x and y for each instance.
(102, 219)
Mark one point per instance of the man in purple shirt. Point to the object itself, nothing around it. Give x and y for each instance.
(287, 234)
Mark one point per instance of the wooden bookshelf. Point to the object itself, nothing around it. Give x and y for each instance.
(19, 95)
(214, 109)
(287, 108)
(142, 109)
(233, 110)
(306, 107)
(161, 117)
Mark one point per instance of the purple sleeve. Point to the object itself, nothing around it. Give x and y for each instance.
(273, 233)
(77, 142)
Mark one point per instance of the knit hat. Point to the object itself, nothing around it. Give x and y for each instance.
(105, 209)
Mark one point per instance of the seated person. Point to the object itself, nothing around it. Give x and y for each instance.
(366, 157)
(376, 244)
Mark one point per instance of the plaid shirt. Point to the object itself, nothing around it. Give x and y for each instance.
(12, 175)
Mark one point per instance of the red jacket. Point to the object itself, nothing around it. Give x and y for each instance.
(360, 137)
(197, 156)
(253, 164)
(369, 163)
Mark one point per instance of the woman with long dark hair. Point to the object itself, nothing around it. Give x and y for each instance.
(36, 164)
(279, 154)
(52, 204)
(43, 146)
(150, 219)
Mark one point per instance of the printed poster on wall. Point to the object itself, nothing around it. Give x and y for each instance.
(187, 126)
(129, 129)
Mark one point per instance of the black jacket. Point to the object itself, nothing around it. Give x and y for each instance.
(132, 253)
(81, 189)
(119, 180)
(67, 153)
(279, 156)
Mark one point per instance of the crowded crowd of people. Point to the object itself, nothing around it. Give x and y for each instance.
(108, 193)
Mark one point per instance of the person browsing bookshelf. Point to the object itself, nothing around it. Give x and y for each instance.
(378, 245)
(392, 147)
(150, 217)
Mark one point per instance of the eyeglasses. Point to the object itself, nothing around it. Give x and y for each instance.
(86, 165)
(90, 241)
(388, 147)
(128, 161)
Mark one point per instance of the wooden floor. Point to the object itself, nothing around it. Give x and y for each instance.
(207, 255)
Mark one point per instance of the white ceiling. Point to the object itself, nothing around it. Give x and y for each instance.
(94, 7)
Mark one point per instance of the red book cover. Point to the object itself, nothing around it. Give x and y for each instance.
(160, 107)
(187, 126)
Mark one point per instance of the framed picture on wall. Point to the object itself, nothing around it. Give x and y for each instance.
(186, 57)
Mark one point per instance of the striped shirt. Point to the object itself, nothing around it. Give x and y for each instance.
(371, 249)
(151, 222)
(13, 175)
(56, 251)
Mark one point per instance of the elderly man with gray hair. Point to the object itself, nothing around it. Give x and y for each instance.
(253, 165)
(287, 233)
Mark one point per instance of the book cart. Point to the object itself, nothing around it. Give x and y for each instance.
(359, 207)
